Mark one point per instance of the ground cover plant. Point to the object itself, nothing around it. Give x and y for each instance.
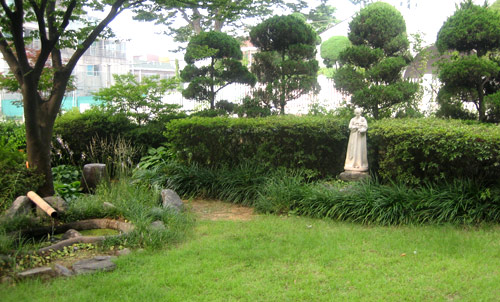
(280, 258)
(15, 176)
(283, 191)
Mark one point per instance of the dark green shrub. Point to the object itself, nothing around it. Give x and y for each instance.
(14, 133)
(419, 150)
(74, 132)
(253, 107)
(15, 178)
(314, 143)
(209, 113)
(66, 181)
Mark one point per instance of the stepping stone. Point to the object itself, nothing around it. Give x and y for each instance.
(43, 272)
(98, 263)
(62, 270)
(71, 233)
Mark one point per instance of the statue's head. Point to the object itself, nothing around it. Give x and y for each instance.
(358, 111)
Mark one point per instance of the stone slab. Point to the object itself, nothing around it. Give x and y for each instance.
(96, 264)
(61, 270)
(42, 272)
(354, 176)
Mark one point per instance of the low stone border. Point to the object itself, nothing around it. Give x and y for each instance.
(88, 224)
(102, 223)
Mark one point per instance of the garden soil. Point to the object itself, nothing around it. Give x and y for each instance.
(218, 210)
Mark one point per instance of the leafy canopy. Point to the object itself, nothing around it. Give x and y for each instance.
(470, 28)
(331, 49)
(371, 69)
(141, 100)
(286, 64)
(221, 55)
(472, 72)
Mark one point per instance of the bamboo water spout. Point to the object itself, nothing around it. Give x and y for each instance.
(42, 204)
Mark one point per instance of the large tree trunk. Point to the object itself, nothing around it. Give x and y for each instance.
(40, 114)
(39, 124)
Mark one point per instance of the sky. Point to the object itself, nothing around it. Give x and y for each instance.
(425, 16)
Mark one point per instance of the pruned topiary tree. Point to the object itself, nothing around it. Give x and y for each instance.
(371, 69)
(472, 73)
(221, 55)
(331, 49)
(286, 63)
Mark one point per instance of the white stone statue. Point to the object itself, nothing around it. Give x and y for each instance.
(356, 158)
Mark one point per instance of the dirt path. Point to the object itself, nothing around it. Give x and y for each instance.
(218, 210)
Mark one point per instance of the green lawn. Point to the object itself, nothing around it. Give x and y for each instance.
(295, 259)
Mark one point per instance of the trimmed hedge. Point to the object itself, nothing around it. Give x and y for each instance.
(78, 129)
(409, 151)
(417, 150)
(314, 143)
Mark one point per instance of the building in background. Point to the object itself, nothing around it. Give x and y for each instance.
(94, 71)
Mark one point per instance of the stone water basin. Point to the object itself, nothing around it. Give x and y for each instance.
(89, 231)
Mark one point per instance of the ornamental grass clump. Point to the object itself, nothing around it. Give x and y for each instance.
(458, 202)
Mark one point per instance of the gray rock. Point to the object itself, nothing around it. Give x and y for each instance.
(42, 272)
(101, 258)
(171, 200)
(92, 175)
(61, 270)
(157, 225)
(354, 176)
(57, 202)
(98, 263)
(21, 206)
(71, 233)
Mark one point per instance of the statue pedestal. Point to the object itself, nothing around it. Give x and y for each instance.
(353, 175)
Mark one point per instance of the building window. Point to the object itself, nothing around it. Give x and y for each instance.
(93, 70)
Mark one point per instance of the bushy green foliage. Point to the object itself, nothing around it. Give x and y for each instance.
(15, 178)
(315, 143)
(417, 150)
(371, 69)
(75, 132)
(14, 133)
(471, 27)
(78, 129)
(253, 107)
(460, 202)
(284, 191)
(66, 181)
(140, 100)
(286, 63)
(473, 31)
(223, 54)
(331, 49)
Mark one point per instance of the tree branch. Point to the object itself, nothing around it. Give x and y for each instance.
(10, 58)
(16, 23)
(84, 46)
(6, 8)
(41, 21)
